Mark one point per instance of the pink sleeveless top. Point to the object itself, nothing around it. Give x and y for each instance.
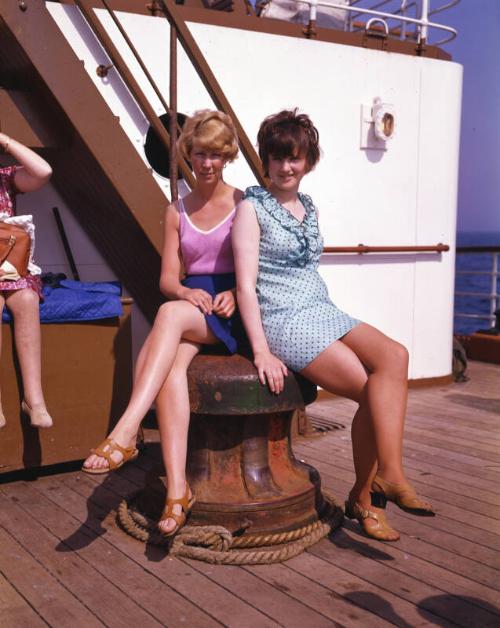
(206, 252)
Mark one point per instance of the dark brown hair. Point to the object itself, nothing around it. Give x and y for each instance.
(287, 134)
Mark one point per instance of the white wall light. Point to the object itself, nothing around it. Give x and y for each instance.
(378, 125)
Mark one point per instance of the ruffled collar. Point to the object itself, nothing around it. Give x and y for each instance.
(306, 232)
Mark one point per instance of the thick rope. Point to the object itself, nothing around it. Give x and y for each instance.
(216, 545)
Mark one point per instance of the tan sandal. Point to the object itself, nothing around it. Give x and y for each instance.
(186, 504)
(381, 530)
(105, 450)
(403, 495)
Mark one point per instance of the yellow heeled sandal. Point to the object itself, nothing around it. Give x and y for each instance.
(403, 495)
(379, 530)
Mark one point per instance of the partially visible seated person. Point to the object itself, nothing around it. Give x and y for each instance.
(298, 13)
(21, 295)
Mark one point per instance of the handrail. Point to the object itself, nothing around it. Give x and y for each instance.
(422, 23)
(200, 64)
(131, 83)
(363, 248)
(443, 7)
(493, 294)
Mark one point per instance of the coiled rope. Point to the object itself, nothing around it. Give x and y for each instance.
(216, 544)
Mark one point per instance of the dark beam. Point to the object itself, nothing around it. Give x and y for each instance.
(96, 169)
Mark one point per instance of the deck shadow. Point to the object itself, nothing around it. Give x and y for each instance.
(345, 541)
(376, 604)
(474, 611)
(106, 499)
(92, 527)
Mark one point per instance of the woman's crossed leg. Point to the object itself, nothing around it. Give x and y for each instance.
(175, 321)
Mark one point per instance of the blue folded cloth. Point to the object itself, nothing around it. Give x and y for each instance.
(77, 301)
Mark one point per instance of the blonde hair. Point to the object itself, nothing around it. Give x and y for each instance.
(211, 130)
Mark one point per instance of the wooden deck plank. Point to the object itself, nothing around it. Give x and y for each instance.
(442, 532)
(482, 512)
(135, 582)
(452, 436)
(388, 605)
(15, 611)
(246, 587)
(427, 474)
(365, 607)
(78, 494)
(422, 418)
(431, 564)
(444, 570)
(466, 452)
(87, 585)
(433, 452)
(380, 568)
(485, 542)
(42, 590)
(285, 609)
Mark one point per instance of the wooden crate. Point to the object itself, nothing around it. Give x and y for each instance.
(87, 379)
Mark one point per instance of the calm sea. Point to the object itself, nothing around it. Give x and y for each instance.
(474, 283)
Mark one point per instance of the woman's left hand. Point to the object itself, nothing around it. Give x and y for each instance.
(224, 304)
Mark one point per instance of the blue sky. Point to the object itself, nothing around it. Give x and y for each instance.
(477, 48)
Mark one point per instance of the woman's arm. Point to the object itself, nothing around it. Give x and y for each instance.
(245, 237)
(170, 283)
(34, 170)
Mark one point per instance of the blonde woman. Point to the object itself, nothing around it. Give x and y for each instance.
(201, 309)
(22, 295)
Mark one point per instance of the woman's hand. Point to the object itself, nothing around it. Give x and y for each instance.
(272, 370)
(198, 297)
(224, 304)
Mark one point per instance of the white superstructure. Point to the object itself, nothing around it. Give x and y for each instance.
(401, 192)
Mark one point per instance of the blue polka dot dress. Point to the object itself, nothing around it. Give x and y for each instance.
(299, 319)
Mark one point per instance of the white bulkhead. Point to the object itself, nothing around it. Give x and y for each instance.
(403, 194)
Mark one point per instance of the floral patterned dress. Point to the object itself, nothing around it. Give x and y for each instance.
(299, 319)
(8, 194)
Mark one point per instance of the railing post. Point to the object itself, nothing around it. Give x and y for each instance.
(494, 284)
(173, 113)
(425, 21)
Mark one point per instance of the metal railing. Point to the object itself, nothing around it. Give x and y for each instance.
(492, 295)
(362, 249)
(178, 32)
(379, 20)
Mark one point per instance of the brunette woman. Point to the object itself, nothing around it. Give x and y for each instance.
(200, 312)
(291, 321)
(22, 295)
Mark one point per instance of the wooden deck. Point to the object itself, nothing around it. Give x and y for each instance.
(64, 562)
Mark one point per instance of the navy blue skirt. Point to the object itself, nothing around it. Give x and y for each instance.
(228, 330)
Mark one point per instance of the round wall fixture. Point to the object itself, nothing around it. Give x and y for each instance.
(384, 120)
(157, 155)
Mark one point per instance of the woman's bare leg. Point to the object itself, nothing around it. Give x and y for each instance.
(24, 305)
(172, 411)
(2, 303)
(175, 320)
(385, 395)
(381, 391)
(339, 370)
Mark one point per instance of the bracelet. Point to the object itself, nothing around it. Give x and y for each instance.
(6, 145)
